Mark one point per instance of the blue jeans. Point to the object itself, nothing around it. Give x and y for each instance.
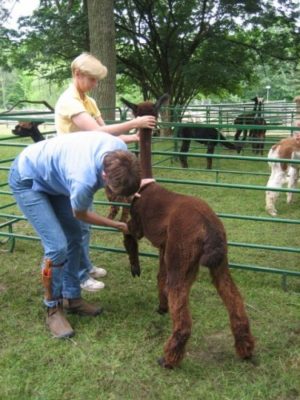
(85, 265)
(60, 233)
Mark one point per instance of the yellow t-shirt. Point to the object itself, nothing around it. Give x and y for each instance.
(70, 104)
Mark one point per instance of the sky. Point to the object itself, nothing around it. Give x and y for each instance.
(19, 8)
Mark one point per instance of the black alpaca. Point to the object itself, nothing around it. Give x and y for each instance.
(202, 135)
(258, 135)
(246, 119)
(28, 129)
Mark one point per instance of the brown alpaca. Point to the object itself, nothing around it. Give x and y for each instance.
(258, 135)
(288, 148)
(188, 234)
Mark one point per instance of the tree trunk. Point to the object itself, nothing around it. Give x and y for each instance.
(102, 46)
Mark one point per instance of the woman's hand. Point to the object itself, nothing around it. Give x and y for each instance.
(130, 138)
(147, 121)
(122, 226)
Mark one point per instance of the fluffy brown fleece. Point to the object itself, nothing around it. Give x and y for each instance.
(187, 233)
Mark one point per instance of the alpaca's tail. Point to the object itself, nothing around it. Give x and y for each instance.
(227, 144)
(214, 246)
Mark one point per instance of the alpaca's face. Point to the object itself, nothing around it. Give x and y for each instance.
(24, 129)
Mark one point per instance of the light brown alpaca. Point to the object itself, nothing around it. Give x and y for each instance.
(289, 149)
(188, 234)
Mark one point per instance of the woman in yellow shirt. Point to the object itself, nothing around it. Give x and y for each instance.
(76, 111)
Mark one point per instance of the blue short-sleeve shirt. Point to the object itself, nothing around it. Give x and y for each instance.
(69, 165)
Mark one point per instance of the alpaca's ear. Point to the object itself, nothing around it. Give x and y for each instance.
(133, 107)
(161, 102)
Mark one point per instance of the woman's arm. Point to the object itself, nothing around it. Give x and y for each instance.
(90, 217)
(87, 123)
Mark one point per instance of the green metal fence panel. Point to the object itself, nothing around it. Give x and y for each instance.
(222, 118)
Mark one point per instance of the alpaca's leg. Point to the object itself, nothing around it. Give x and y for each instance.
(185, 146)
(181, 262)
(292, 181)
(237, 134)
(276, 180)
(113, 211)
(174, 348)
(262, 144)
(245, 131)
(210, 150)
(244, 341)
(131, 246)
(162, 284)
(253, 138)
(125, 214)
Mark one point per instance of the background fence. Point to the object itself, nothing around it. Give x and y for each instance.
(234, 187)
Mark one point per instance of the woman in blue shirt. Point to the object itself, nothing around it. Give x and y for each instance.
(54, 182)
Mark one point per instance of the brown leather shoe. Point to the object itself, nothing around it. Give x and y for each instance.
(81, 307)
(58, 324)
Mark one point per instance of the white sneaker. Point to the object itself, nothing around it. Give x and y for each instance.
(97, 272)
(91, 285)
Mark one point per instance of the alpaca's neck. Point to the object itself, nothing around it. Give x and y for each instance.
(259, 110)
(145, 153)
(36, 136)
(255, 108)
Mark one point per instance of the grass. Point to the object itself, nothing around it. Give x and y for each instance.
(114, 356)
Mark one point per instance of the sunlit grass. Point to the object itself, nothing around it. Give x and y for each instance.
(114, 356)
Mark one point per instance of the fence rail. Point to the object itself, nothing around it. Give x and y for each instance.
(9, 221)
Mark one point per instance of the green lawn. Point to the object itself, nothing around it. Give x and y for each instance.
(113, 356)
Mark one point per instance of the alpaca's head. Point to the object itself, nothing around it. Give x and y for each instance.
(28, 129)
(258, 100)
(146, 107)
(261, 100)
(255, 99)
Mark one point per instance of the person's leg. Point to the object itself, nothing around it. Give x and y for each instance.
(85, 262)
(39, 212)
(87, 272)
(72, 231)
(71, 284)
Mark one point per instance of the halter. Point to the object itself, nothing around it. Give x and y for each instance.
(144, 183)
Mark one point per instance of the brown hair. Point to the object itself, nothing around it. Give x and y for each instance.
(123, 172)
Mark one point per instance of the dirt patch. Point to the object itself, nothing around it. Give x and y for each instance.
(2, 288)
(215, 347)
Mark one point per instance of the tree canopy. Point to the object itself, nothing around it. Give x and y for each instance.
(183, 48)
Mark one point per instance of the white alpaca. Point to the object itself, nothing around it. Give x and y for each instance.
(281, 172)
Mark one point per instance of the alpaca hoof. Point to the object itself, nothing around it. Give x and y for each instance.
(162, 310)
(161, 361)
(272, 212)
(135, 271)
(245, 349)
(252, 360)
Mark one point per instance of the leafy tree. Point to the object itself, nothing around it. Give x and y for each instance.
(200, 46)
(55, 34)
(102, 44)
(180, 47)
